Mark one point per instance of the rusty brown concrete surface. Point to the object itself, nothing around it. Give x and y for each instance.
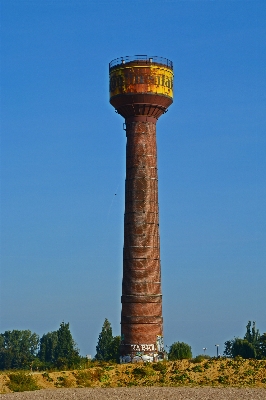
(141, 104)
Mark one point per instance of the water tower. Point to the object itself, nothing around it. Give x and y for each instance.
(141, 90)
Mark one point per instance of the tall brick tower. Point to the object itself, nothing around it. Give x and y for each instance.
(141, 90)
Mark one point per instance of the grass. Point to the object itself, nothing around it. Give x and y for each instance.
(206, 372)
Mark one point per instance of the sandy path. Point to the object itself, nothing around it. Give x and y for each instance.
(144, 393)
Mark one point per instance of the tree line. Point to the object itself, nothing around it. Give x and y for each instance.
(58, 350)
(23, 349)
(253, 345)
(26, 350)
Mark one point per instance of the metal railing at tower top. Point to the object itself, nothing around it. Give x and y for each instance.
(141, 59)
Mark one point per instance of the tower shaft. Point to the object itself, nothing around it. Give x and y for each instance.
(141, 319)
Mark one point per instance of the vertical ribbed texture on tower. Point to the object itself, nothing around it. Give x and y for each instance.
(141, 291)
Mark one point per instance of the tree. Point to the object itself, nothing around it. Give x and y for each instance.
(228, 348)
(18, 349)
(253, 335)
(179, 351)
(115, 348)
(65, 351)
(108, 346)
(58, 347)
(243, 348)
(248, 347)
(262, 347)
(48, 343)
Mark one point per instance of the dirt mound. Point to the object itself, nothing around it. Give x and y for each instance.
(209, 373)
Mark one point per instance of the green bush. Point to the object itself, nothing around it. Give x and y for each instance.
(200, 358)
(223, 379)
(64, 382)
(179, 351)
(140, 372)
(21, 382)
(181, 378)
(47, 377)
(84, 378)
(160, 366)
(197, 368)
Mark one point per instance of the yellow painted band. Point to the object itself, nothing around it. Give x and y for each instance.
(152, 79)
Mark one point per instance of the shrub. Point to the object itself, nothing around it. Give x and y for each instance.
(84, 378)
(200, 358)
(47, 377)
(197, 368)
(65, 381)
(160, 366)
(140, 372)
(21, 382)
(181, 378)
(224, 379)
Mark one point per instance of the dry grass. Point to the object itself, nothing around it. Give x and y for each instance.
(212, 373)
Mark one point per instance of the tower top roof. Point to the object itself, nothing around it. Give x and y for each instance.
(142, 60)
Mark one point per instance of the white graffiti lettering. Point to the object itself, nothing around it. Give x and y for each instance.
(142, 347)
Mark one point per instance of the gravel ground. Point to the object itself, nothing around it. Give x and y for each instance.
(160, 393)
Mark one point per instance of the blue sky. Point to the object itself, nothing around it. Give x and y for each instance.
(63, 161)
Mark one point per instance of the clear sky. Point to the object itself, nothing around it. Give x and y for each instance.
(63, 165)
